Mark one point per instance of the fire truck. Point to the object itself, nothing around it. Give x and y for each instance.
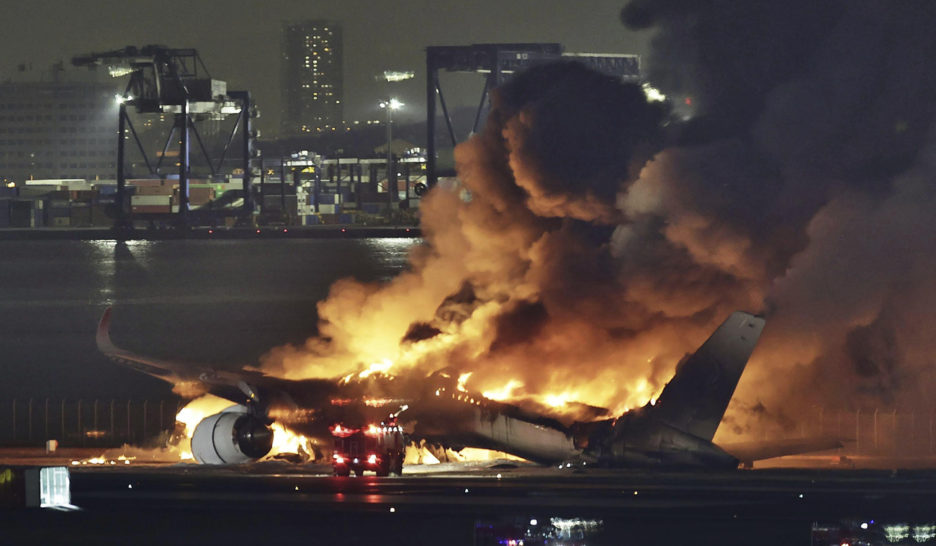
(379, 448)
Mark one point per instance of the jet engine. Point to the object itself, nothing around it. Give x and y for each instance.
(233, 436)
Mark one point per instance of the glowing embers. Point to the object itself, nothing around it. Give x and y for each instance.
(104, 460)
(381, 402)
(343, 432)
(292, 415)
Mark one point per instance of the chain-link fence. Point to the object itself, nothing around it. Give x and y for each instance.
(85, 422)
(112, 422)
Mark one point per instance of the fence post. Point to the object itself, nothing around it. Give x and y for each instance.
(14, 420)
(80, 435)
(46, 413)
(29, 412)
(62, 421)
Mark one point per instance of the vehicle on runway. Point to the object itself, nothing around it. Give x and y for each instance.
(676, 431)
(376, 447)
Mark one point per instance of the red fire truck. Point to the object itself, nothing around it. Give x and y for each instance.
(379, 448)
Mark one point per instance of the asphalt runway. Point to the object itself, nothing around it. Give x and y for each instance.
(285, 503)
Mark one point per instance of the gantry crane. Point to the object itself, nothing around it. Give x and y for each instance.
(164, 80)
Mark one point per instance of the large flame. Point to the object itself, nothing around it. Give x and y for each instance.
(506, 291)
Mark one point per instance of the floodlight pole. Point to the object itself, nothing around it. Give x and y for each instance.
(120, 214)
(391, 172)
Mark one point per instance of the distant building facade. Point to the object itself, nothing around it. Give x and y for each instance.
(312, 78)
(61, 128)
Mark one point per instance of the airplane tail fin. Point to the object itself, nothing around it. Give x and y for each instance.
(102, 338)
(167, 371)
(695, 400)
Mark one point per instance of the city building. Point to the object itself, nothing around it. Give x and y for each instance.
(57, 125)
(312, 78)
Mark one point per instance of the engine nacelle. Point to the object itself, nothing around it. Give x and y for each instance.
(231, 437)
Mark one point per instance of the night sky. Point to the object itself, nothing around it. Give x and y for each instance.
(239, 40)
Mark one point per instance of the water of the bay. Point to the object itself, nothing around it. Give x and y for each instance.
(220, 302)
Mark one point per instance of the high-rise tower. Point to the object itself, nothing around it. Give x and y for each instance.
(312, 78)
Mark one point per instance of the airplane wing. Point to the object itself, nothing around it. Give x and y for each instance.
(306, 405)
(748, 452)
(192, 379)
(169, 371)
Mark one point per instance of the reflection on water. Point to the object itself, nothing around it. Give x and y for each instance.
(537, 530)
(873, 533)
(111, 259)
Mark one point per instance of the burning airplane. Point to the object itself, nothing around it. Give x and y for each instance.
(676, 430)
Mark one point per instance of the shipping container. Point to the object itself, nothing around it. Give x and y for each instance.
(82, 195)
(326, 209)
(310, 220)
(106, 189)
(200, 195)
(153, 190)
(37, 191)
(7, 192)
(345, 219)
(60, 222)
(78, 185)
(151, 200)
(63, 182)
(151, 209)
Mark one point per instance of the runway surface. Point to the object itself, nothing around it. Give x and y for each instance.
(480, 504)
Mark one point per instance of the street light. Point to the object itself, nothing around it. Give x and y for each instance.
(390, 105)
